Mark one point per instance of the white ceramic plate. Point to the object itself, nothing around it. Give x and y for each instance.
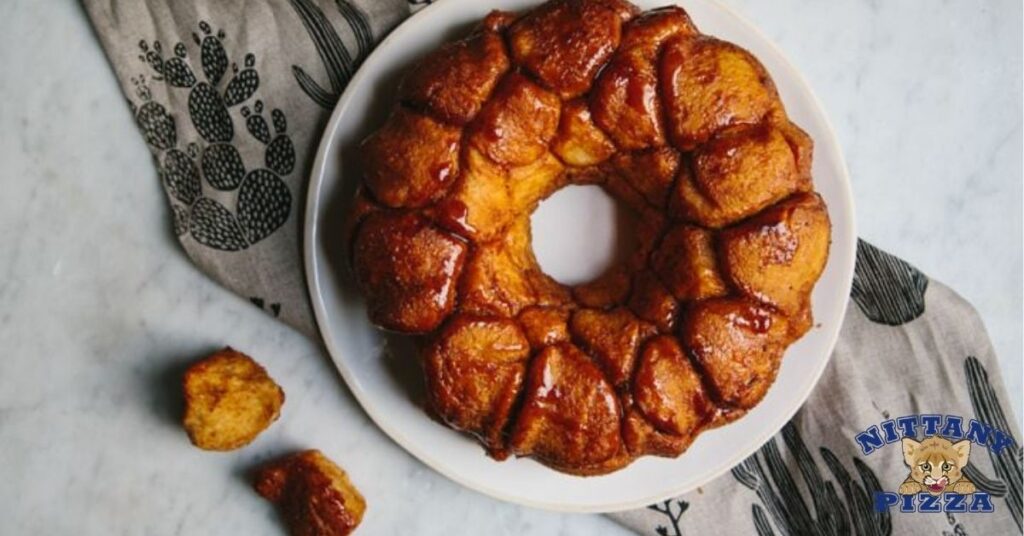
(383, 373)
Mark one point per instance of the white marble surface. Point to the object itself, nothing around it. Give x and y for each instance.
(99, 308)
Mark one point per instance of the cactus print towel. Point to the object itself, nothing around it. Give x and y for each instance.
(231, 97)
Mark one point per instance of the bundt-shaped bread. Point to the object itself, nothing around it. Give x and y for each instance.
(685, 130)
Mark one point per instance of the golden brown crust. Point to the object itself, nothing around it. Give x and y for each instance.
(314, 495)
(516, 124)
(650, 173)
(654, 27)
(623, 9)
(454, 81)
(479, 205)
(612, 338)
(579, 142)
(533, 182)
(642, 438)
(411, 160)
(625, 101)
(738, 345)
(710, 84)
(498, 21)
(608, 290)
(474, 370)
(738, 173)
(668, 391)
(686, 262)
(688, 134)
(777, 256)
(570, 414)
(361, 207)
(803, 150)
(545, 326)
(408, 271)
(652, 302)
(564, 43)
(229, 400)
(502, 277)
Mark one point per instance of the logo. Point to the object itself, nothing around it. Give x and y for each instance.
(935, 480)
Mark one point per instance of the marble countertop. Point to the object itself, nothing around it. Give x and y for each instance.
(99, 308)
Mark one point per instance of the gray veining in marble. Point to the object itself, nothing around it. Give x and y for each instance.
(99, 308)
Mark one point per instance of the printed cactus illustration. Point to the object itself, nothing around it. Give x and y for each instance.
(783, 506)
(888, 290)
(338, 62)
(222, 166)
(244, 84)
(1008, 463)
(992, 486)
(280, 154)
(213, 225)
(156, 125)
(207, 106)
(180, 220)
(211, 53)
(263, 204)
(214, 58)
(666, 508)
(180, 175)
(262, 200)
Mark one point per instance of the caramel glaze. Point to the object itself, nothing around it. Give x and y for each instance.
(314, 495)
(685, 130)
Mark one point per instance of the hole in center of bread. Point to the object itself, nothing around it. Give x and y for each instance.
(580, 232)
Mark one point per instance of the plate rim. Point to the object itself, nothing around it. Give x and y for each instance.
(311, 230)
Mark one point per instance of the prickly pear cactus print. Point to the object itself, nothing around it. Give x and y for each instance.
(213, 225)
(280, 153)
(219, 199)
(263, 204)
(180, 175)
(222, 166)
(211, 53)
(154, 122)
(180, 220)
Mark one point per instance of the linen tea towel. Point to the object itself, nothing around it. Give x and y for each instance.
(231, 97)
